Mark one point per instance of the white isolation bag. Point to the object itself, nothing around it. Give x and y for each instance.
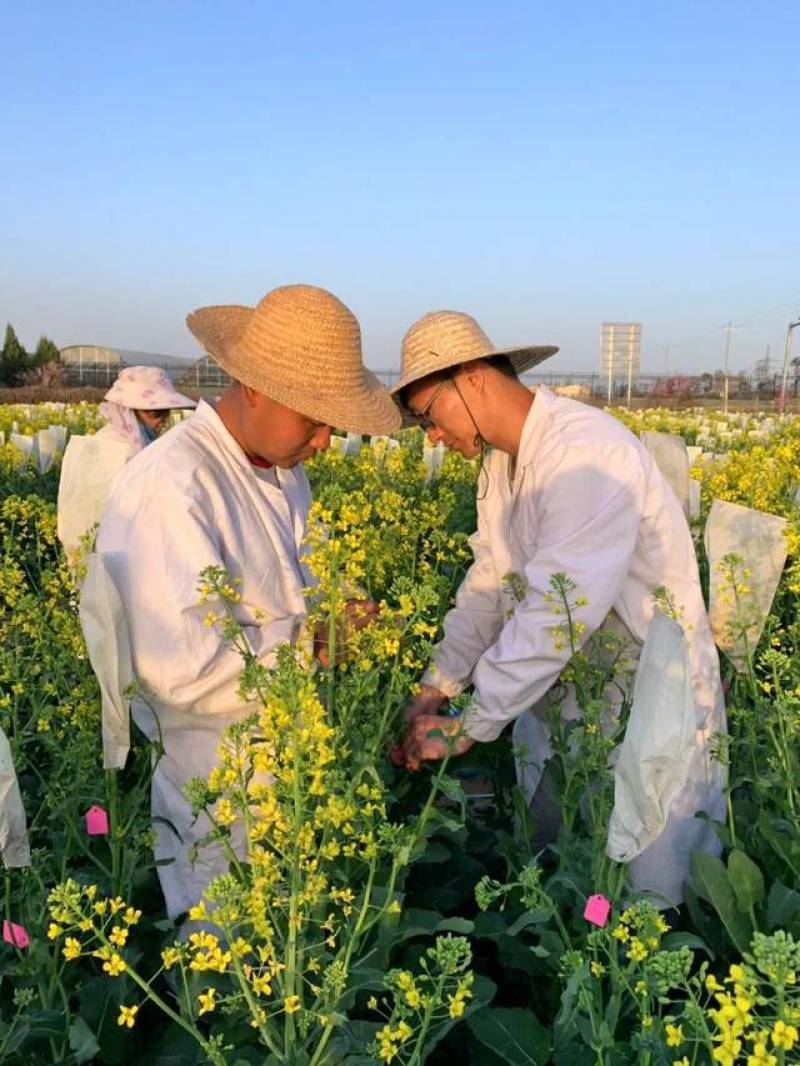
(108, 645)
(659, 744)
(672, 459)
(759, 540)
(46, 448)
(14, 844)
(22, 443)
(87, 471)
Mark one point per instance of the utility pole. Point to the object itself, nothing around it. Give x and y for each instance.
(787, 351)
(610, 365)
(729, 329)
(630, 368)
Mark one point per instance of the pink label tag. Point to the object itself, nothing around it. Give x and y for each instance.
(15, 934)
(96, 822)
(597, 910)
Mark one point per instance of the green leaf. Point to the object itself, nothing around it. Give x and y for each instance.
(674, 941)
(47, 1023)
(82, 1041)
(455, 925)
(436, 852)
(783, 908)
(515, 1035)
(415, 922)
(746, 880)
(527, 919)
(710, 882)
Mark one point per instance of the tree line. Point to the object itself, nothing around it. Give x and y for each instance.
(20, 367)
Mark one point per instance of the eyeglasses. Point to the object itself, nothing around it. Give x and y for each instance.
(423, 417)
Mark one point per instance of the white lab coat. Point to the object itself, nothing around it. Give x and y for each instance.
(190, 500)
(88, 468)
(587, 499)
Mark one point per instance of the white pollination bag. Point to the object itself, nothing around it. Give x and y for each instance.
(672, 459)
(87, 471)
(659, 745)
(14, 845)
(739, 601)
(108, 645)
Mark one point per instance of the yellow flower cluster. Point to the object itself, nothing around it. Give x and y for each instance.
(640, 929)
(100, 928)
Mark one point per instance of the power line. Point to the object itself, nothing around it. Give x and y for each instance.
(762, 316)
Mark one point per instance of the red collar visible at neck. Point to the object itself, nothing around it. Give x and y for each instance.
(256, 460)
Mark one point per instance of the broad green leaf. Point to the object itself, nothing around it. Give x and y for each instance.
(515, 1035)
(674, 941)
(82, 1041)
(455, 925)
(527, 919)
(746, 880)
(783, 908)
(710, 882)
(47, 1023)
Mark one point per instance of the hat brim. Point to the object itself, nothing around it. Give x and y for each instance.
(521, 359)
(370, 409)
(175, 402)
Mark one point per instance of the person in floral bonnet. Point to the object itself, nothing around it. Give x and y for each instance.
(227, 488)
(136, 409)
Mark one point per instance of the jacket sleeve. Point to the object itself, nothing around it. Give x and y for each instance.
(155, 553)
(473, 624)
(590, 511)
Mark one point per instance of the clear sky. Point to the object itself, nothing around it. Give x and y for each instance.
(542, 165)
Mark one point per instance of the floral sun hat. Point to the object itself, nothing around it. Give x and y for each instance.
(146, 388)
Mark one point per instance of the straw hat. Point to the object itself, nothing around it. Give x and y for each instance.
(442, 339)
(301, 347)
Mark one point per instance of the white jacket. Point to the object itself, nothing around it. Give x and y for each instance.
(190, 500)
(588, 500)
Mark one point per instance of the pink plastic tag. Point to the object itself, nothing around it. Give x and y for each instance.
(96, 822)
(15, 934)
(597, 910)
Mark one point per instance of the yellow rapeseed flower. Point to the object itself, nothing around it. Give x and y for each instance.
(127, 1016)
(206, 1001)
(72, 948)
(118, 936)
(674, 1035)
(784, 1036)
(115, 965)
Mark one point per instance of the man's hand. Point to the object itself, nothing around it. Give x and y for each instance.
(360, 613)
(418, 745)
(357, 615)
(428, 700)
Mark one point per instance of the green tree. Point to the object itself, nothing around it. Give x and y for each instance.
(14, 359)
(46, 352)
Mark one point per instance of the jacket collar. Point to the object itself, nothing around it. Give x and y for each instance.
(535, 426)
(210, 420)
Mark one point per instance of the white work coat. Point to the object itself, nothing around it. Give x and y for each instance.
(88, 468)
(588, 500)
(191, 500)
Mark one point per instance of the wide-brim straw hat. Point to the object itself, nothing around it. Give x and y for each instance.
(301, 347)
(443, 339)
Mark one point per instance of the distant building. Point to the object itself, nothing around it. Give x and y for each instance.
(206, 373)
(621, 352)
(95, 364)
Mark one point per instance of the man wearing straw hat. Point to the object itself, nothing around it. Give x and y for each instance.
(227, 488)
(565, 488)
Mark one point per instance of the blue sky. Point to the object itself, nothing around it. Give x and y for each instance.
(544, 166)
